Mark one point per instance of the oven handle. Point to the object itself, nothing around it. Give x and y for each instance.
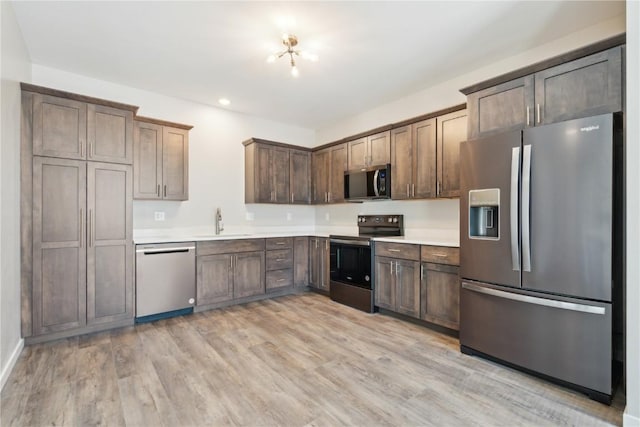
(351, 242)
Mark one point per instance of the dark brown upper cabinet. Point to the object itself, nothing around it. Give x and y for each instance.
(425, 156)
(160, 160)
(583, 87)
(72, 129)
(276, 173)
(452, 130)
(413, 161)
(368, 151)
(328, 167)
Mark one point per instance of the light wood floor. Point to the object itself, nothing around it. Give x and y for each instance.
(293, 361)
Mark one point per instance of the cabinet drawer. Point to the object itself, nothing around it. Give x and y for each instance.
(277, 260)
(215, 247)
(280, 243)
(440, 254)
(279, 278)
(398, 250)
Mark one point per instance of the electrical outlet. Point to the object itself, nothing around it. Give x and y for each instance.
(289, 216)
(250, 216)
(158, 216)
(327, 217)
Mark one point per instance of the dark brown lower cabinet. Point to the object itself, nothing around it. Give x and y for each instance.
(59, 245)
(300, 261)
(214, 279)
(397, 285)
(82, 244)
(440, 294)
(109, 243)
(319, 263)
(223, 277)
(248, 274)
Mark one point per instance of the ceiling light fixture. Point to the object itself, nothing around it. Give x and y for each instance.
(290, 41)
(224, 101)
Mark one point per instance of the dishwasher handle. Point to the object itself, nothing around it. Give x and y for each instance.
(161, 251)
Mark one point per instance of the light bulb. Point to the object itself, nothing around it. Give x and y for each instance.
(271, 58)
(294, 71)
(224, 101)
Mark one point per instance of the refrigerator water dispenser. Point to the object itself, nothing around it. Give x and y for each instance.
(484, 214)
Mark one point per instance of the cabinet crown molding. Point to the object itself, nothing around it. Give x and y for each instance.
(581, 52)
(27, 87)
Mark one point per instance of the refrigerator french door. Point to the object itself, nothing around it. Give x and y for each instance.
(538, 236)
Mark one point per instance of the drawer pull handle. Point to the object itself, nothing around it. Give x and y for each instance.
(280, 243)
(280, 259)
(440, 255)
(394, 250)
(281, 280)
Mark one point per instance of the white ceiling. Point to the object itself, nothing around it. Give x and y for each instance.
(370, 52)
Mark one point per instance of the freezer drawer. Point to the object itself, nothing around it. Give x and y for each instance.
(567, 339)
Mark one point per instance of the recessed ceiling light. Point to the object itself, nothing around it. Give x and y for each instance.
(224, 101)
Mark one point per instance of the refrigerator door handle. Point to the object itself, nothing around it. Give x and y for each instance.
(526, 203)
(515, 172)
(563, 305)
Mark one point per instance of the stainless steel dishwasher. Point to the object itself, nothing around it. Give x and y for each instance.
(165, 280)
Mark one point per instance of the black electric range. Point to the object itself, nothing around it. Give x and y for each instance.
(351, 263)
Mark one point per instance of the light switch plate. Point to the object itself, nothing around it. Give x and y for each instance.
(327, 217)
(289, 216)
(250, 216)
(158, 216)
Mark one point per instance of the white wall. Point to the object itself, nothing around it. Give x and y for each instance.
(632, 411)
(437, 217)
(16, 67)
(216, 156)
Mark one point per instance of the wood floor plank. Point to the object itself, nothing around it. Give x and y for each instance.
(291, 361)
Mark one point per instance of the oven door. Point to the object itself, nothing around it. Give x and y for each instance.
(351, 262)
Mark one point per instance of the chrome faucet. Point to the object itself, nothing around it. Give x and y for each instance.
(219, 224)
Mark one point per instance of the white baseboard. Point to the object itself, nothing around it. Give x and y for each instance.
(6, 370)
(629, 420)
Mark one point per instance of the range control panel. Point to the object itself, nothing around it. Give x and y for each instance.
(381, 225)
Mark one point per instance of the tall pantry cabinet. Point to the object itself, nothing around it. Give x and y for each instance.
(76, 213)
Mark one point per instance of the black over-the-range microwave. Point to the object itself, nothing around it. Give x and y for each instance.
(368, 184)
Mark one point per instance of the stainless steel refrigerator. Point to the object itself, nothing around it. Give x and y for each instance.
(540, 248)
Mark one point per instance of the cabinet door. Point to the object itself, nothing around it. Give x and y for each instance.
(300, 173)
(280, 174)
(585, 87)
(315, 268)
(59, 127)
(378, 147)
(424, 158)
(501, 108)
(402, 163)
(248, 274)
(109, 242)
(385, 283)
(301, 261)
(59, 244)
(357, 153)
(175, 164)
(214, 279)
(147, 161)
(263, 177)
(408, 288)
(440, 294)
(321, 170)
(325, 280)
(338, 164)
(452, 130)
(109, 134)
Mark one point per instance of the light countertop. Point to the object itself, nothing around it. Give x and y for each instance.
(432, 237)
